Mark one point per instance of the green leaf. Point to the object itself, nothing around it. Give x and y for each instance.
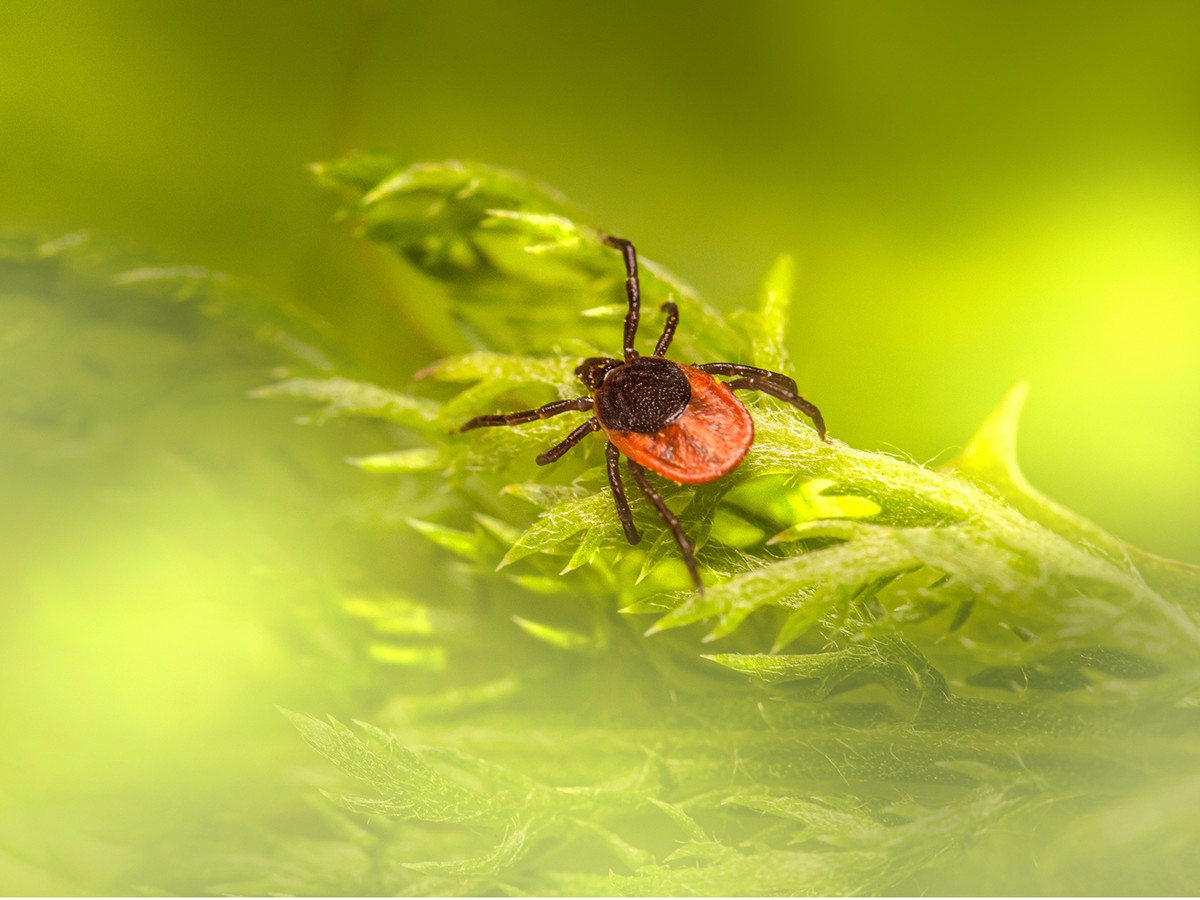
(343, 397)
(991, 457)
(559, 525)
(815, 503)
(409, 786)
(502, 858)
(827, 819)
(358, 172)
(563, 638)
(828, 670)
(465, 544)
(420, 459)
(775, 300)
(430, 657)
(392, 615)
(521, 265)
(499, 367)
(686, 823)
(874, 552)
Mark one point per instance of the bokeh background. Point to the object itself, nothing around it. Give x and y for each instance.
(975, 193)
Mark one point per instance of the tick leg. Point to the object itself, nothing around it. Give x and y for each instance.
(722, 368)
(632, 290)
(781, 393)
(556, 452)
(618, 492)
(656, 500)
(664, 342)
(579, 404)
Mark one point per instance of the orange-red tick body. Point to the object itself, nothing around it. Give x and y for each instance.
(709, 439)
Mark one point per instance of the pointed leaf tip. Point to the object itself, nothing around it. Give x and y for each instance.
(775, 300)
(993, 449)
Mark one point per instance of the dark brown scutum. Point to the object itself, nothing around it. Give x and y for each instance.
(643, 397)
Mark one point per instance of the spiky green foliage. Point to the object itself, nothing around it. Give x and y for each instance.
(897, 675)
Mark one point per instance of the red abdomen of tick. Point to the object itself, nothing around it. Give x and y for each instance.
(709, 439)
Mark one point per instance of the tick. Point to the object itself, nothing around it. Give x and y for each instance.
(676, 420)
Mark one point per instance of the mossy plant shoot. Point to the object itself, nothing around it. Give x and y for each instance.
(896, 679)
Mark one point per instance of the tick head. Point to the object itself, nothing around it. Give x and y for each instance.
(644, 396)
(594, 370)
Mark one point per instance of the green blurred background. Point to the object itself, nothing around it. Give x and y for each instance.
(975, 193)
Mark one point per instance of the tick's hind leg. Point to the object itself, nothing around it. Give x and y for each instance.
(660, 505)
(556, 452)
(618, 492)
(781, 393)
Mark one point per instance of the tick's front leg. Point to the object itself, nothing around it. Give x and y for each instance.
(558, 407)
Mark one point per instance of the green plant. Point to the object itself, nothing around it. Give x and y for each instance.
(894, 664)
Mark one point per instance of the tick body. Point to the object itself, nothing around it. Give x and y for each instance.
(703, 434)
(676, 420)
